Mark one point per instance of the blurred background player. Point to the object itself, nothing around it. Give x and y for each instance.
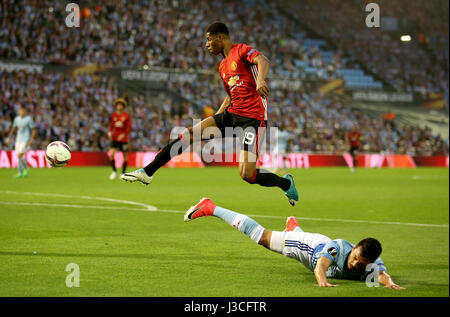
(119, 128)
(325, 257)
(353, 139)
(26, 132)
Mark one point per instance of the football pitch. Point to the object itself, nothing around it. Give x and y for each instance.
(131, 240)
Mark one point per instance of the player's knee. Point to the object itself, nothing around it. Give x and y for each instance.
(247, 174)
(191, 133)
(265, 239)
(187, 135)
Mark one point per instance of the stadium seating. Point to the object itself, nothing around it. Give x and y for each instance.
(420, 65)
(136, 33)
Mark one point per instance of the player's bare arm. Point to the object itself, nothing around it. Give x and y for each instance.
(225, 104)
(263, 69)
(33, 135)
(10, 134)
(387, 281)
(320, 272)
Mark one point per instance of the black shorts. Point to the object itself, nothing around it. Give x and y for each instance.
(353, 149)
(250, 136)
(121, 146)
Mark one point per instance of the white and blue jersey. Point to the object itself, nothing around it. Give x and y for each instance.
(24, 126)
(309, 247)
(302, 246)
(338, 251)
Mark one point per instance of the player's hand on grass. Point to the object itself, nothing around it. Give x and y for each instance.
(326, 284)
(394, 286)
(262, 88)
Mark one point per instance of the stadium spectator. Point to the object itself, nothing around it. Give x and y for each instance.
(76, 110)
(153, 33)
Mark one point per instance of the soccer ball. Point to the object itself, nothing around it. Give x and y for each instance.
(58, 154)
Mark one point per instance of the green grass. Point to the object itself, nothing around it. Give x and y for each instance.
(124, 250)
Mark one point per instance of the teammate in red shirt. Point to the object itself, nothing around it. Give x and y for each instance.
(118, 130)
(243, 71)
(353, 138)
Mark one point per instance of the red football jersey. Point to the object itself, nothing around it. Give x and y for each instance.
(120, 126)
(239, 79)
(353, 137)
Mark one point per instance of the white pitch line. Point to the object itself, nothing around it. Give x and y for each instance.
(336, 220)
(153, 208)
(148, 207)
(19, 203)
(428, 177)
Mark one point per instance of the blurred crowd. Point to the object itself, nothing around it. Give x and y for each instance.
(318, 124)
(420, 65)
(167, 33)
(76, 110)
(170, 33)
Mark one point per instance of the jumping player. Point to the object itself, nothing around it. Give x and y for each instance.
(326, 258)
(118, 130)
(353, 139)
(243, 71)
(26, 132)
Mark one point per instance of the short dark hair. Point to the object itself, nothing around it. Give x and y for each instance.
(371, 248)
(217, 28)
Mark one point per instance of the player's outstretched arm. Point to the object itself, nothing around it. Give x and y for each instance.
(387, 281)
(320, 272)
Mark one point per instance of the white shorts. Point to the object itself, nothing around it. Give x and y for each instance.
(300, 246)
(21, 148)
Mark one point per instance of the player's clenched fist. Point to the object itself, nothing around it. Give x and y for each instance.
(262, 89)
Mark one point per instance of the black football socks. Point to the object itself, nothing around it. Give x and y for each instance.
(164, 156)
(267, 179)
(175, 147)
